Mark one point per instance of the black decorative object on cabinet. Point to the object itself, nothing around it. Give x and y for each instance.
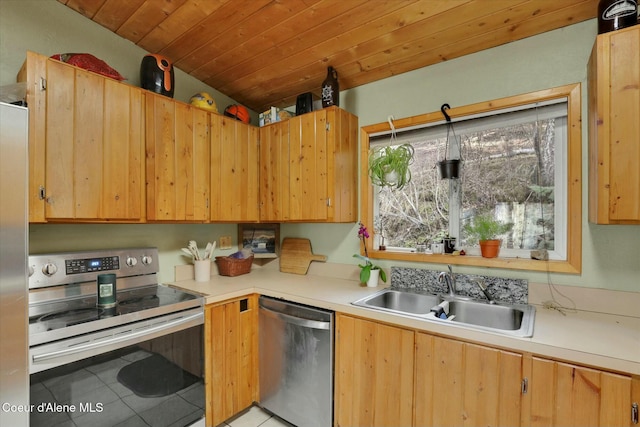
(616, 15)
(156, 74)
(304, 103)
(331, 89)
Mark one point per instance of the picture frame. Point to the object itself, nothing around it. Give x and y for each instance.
(262, 239)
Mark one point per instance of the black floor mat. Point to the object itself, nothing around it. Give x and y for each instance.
(155, 376)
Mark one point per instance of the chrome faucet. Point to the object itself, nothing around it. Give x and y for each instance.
(483, 287)
(449, 279)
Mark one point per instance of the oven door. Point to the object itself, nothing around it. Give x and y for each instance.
(153, 377)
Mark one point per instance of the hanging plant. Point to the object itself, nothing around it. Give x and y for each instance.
(389, 166)
(449, 168)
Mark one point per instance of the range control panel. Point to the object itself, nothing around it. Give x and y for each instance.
(87, 265)
(76, 267)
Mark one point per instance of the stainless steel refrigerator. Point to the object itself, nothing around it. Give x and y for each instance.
(14, 320)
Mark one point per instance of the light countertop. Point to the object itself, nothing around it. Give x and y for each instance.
(604, 341)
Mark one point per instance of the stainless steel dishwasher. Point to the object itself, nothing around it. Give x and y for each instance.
(296, 362)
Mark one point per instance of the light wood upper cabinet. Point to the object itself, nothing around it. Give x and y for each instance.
(614, 128)
(231, 358)
(462, 384)
(562, 394)
(373, 374)
(274, 172)
(310, 167)
(177, 160)
(234, 170)
(34, 73)
(94, 143)
(86, 144)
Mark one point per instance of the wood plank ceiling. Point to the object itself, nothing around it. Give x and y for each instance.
(264, 53)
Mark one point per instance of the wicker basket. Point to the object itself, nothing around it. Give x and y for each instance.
(233, 266)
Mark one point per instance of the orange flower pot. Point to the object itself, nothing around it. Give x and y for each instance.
(490, 248)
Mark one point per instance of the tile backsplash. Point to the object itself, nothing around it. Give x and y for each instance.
(501, 289)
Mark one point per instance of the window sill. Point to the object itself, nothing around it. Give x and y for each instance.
(478, 261)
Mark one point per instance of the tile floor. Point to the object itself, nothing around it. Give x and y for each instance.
(98, 383)
(255, 417)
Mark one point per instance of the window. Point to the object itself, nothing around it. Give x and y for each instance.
(521, 165)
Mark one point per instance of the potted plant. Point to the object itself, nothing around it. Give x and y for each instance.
(486, 230)
(369, 273)
(389, 165)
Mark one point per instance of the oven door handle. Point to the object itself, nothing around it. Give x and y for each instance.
(92, 345)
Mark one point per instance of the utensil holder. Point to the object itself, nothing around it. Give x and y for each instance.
(202, 270)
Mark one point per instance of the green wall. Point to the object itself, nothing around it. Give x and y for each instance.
(611, 257)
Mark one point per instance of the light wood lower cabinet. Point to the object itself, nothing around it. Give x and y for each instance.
(462, 384)
(231, 358)
(374, 374)
(563, 394)
(390, 376)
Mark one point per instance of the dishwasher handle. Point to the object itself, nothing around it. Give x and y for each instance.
(299, 321)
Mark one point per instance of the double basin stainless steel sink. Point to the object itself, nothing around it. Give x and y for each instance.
(508, 319)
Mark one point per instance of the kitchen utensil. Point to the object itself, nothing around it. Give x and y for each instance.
(193, 247)
(207, 250)
(296, 256)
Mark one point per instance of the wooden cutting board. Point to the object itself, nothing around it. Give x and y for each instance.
(296, 255)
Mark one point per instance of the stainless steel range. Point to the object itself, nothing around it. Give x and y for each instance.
(138, 361)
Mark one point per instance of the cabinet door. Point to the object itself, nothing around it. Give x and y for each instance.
(177, 161)
(231, 356)
(614, 128)
(461, 384)
(34, 74)
(234, 170)
(94, 146)
(274, 172)
(308, 166)
(374, 374)
(123, 195)
(86, 144)
(568, 395)
(342, 143)
(60, 159)
(308, 191)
